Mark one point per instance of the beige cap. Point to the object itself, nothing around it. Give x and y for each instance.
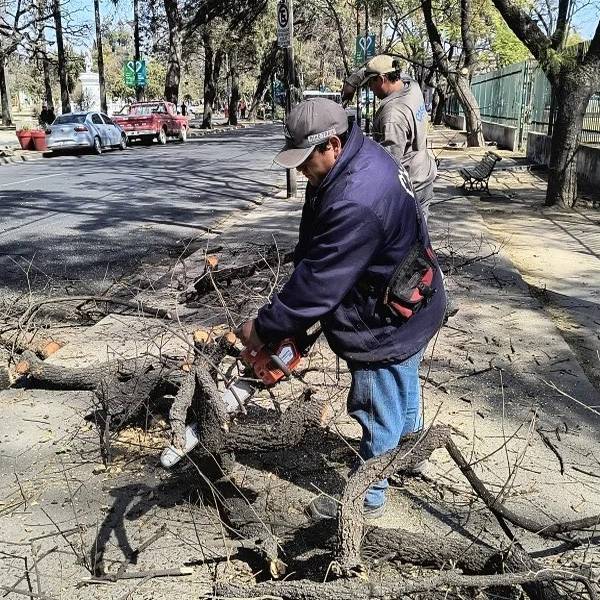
(380, 65)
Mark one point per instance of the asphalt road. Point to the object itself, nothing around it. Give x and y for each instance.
(90, 219)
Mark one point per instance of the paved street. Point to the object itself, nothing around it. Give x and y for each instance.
(89, 219)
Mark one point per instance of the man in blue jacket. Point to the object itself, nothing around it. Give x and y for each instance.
(359, 222)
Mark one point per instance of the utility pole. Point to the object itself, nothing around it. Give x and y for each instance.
(285, 40)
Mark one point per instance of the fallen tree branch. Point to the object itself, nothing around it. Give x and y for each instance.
(353, 589)
(412, 449)
(500, 510)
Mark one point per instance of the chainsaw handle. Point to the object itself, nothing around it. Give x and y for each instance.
(280, 364)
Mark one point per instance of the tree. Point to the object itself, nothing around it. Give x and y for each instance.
(574, 75)
(458, 78)
(65, 100)
(100, 56)
(173, 78)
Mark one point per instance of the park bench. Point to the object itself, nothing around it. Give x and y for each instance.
(478, 177)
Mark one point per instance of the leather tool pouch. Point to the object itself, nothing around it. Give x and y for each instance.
(410, 287)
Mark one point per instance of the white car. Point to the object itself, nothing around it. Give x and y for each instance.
(91, 130)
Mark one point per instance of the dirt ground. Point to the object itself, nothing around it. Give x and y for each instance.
(515, 373)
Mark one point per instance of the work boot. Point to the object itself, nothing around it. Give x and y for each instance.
(326, 507)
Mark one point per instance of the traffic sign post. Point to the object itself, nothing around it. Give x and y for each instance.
(135, 73)
(285, 40)
(365, 48)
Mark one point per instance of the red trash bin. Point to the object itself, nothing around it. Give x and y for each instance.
(38, 137)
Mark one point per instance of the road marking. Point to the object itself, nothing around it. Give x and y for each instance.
(31, 179)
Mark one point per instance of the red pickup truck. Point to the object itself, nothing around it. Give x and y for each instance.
(148, 120)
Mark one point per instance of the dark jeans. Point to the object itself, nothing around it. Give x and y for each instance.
(386, 402)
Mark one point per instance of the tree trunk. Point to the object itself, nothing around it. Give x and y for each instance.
(572, 97)
(173, 77)
(5, 94)
(139, 90)
(101, 80)
(267, 68)
(235, 89)
(65, 101)
(471, 109)
(47, 82)
(209, 87)
(458, 83)
(42, 52)
(439, 105)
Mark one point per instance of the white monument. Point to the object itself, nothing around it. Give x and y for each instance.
(90, 87)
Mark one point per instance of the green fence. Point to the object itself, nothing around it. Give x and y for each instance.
(520, 96)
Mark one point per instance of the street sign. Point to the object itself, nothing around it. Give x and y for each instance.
(135, 74)
(285, 23)
(365, 48)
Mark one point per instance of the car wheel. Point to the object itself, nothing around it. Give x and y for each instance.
(162, 136)
(97, 147)
(123, 142)
(183, 134)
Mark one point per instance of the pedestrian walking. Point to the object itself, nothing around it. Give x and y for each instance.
(363, 252)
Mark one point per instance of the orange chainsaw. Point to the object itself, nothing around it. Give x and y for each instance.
(261, 368)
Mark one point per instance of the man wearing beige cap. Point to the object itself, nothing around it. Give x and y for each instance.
(361, 228)
(400, 123)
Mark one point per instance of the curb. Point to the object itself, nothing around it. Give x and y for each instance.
(18, 158)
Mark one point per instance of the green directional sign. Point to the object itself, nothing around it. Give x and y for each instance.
(134, 73)
(365, 48)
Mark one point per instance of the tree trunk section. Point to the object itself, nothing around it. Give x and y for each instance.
(235, 90)
(173, 77)
(101, 79)
(267, 68)
(5, 94)
(439, 105)
(210, 91)
(471, 110)
(65, 100)
(572, 97)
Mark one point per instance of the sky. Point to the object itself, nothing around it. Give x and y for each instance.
(585, 21)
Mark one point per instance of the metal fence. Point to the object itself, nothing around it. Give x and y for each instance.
(520, 96)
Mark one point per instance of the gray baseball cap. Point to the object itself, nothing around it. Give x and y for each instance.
(310, 123)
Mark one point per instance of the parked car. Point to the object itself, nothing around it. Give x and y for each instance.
(91, 130)
(158, 120)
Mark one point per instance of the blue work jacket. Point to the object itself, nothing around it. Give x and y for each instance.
(356, 227)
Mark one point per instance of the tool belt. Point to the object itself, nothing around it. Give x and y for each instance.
(410, 286)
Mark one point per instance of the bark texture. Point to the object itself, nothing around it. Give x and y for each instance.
(101, 79)
(173, 77)
(65, 100)
(457, 79)
(5, 94)
(574, 75)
